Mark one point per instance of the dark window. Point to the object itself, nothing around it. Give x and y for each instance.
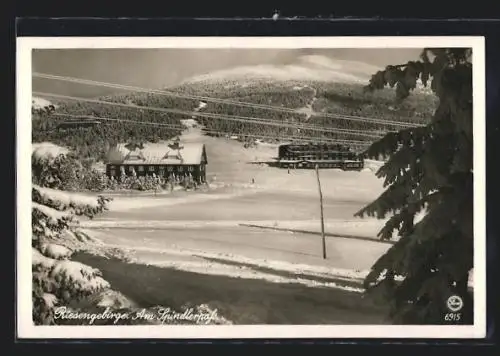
(112, 172)
(151, 168)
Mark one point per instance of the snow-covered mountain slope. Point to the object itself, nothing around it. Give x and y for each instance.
(315, 68)
(40, 103)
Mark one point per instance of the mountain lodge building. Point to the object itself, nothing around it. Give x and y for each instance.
(175, 160)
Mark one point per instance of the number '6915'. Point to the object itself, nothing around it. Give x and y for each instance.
(453, 316)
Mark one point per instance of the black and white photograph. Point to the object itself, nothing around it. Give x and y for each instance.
(251, 187)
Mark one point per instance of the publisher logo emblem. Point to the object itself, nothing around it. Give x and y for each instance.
(454, 303)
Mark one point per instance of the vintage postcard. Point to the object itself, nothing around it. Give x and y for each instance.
(218, 187)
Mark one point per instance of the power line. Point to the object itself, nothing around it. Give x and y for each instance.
(91, 117)
(223, 101)
(291, 125)
(220, 116)
(242, 119)
(298, 138)
(288, 138)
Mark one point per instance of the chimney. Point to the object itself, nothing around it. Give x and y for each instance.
(176, 145)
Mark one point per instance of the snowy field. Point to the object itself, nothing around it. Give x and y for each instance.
(197, 247)
(250, 250)
(207, 232)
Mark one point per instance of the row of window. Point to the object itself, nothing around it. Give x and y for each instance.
(130, 168)
(318, 156)
(162, 173)
(314, 148)
(312, 152)
(325, 165)
(152, 169)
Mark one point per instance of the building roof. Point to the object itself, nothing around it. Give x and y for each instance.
(158, 153)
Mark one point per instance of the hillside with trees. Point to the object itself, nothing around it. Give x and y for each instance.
(92, 142)
(323, 98)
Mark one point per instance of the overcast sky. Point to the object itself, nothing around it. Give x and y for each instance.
(158, 68)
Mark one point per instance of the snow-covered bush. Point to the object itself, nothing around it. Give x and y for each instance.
(55, 167)
(56, 279)
(60, 171)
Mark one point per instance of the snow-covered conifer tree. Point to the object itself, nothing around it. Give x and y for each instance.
(429, 169)
(56, 279)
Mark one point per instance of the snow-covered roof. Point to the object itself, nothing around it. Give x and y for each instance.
(40, 103)
(158, 153)
(47, 150)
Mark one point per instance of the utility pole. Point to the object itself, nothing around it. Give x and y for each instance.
(321, 209)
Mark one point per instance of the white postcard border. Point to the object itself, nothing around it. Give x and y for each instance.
(24, 323)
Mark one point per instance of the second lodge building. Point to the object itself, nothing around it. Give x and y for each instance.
(164, 160)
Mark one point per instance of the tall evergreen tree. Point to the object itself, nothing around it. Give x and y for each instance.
(429, 170)
(56, 279)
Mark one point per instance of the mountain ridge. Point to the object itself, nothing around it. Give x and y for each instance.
(311, 67)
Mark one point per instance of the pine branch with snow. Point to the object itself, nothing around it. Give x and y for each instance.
(77, 204)
(429, 169)
(56, 279)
